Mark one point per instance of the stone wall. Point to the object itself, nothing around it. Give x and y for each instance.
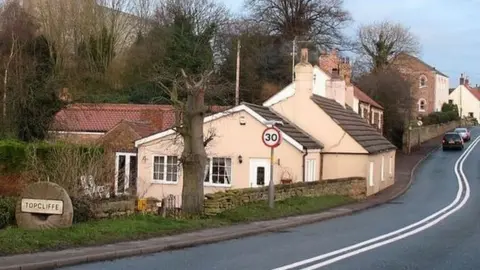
(109, 209)
(421, 134)
(220, 201)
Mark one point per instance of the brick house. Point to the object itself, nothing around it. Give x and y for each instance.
(430, 88)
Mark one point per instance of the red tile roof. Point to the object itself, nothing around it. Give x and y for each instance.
(475, 92)
(85, 117)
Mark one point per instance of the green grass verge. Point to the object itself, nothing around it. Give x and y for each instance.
(14, 240)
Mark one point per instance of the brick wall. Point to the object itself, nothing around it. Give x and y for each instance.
(220, 201)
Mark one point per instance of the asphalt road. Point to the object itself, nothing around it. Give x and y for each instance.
(449, 243)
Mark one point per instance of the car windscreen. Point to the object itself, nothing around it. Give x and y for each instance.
(451, 136)
(461, 130)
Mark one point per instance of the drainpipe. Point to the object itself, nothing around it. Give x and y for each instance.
(303, 163)
(321, 165)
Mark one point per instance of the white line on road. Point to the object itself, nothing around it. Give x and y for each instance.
(458, 172)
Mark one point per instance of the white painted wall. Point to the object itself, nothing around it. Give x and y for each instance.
(441, 91)
(319, 81)
(355, 104)
(465, 101)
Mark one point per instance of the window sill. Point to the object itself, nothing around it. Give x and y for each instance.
(163, 182)
(217, 185)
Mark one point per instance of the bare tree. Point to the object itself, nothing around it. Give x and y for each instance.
(321, 21)
(380, 42)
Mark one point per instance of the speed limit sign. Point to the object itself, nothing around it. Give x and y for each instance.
(271, 137)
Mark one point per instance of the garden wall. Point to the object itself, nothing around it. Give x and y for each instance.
(218, 202)
(108, 209)
(419, 135)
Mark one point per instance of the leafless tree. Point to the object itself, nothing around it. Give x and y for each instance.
(378, 43)
(321, 21)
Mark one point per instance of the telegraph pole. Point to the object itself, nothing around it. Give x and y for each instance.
(237, 82)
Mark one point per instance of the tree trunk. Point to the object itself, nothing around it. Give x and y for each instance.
(194, 156)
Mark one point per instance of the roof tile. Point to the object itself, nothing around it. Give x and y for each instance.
(288, 128)
(354, 125)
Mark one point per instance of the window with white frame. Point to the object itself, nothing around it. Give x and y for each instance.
(423, 81)
(422, 104)
(218, 171)
(165, 169)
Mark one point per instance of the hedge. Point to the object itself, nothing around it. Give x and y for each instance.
(440, 117)
(7, 211)
(14, 154)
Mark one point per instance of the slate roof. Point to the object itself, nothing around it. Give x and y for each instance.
(288, 128)
(354, 125)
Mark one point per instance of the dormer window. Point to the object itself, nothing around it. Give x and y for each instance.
(423, 81)
(422, 104)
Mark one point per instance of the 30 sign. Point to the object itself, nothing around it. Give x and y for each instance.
(271, 137)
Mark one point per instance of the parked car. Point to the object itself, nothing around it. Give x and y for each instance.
(464, 133)
(452, 140)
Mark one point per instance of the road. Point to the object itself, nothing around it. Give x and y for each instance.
(448, 240)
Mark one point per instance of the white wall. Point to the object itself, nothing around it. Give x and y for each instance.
(319, 82)
(441, 91)
(465, 101)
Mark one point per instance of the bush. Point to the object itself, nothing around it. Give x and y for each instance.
(7, 211)
(14, 154)
(82, 210)
(440, 117)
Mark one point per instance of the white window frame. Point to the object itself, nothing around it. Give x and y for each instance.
(370, 174)
(382, 171)
(210, 170)
(420, 81)
(420, 105)
(126, 183)
(164, 180)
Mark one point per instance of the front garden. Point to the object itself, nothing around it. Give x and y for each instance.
(100, 219)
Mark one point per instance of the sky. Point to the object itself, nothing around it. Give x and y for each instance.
(447, 29)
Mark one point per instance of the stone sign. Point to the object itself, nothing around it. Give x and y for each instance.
(52, 207)
(44, 205)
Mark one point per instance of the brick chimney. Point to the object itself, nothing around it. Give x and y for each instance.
(462, 79)
(335, 88)
(64, 95)
(467, 81)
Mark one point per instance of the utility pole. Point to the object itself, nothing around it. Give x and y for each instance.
(293, 58)
(237, 82)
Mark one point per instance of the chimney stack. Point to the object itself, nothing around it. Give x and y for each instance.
(467, 81)
(462, 79)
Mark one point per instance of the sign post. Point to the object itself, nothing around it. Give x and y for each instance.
(419, 124)
(272, 138)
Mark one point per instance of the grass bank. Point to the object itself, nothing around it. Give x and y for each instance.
(14, 240)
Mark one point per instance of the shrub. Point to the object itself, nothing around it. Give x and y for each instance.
(7, 211)
(440, 117)
(82, 210)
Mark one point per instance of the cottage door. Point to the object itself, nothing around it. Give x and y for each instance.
(259, 172)
(125, 173)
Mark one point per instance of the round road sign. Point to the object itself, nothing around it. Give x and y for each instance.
(271, 137)
(419, 123)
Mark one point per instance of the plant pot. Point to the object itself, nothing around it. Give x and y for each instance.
(286, 181)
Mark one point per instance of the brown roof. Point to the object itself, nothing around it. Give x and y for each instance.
(288, 128)
(354, 125)
(143, 129)
(365, 98)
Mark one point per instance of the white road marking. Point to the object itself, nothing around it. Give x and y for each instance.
(458, 172)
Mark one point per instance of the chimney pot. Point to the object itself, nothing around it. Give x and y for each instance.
(304, 55)
(462, 79)
(335, 73)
